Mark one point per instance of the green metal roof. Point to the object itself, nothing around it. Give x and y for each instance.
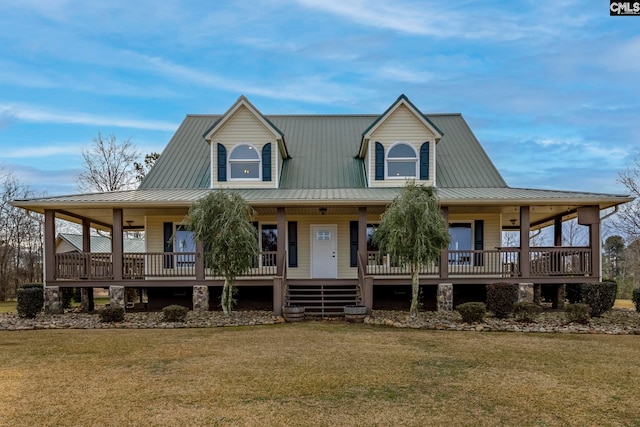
(446, 196)
(323, 150)
(101, 244)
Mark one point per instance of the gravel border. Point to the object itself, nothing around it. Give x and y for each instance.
(615, 322)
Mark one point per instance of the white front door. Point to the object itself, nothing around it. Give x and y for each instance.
(324, 259)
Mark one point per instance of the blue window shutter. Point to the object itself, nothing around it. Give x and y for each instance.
(353, 237)
(266, 162)
(293, 243)
(222, 163)
(379, 162)
(424, 161)
(168, 244)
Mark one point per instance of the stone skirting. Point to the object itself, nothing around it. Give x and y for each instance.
(200, 298)
(445, 297)
(116, 296)
(52, 300)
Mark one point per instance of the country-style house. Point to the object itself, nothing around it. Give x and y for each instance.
(319, 184)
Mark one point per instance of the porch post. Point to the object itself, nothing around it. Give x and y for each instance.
(525, 257)
(557, 230)
(278, 280)
(281, 242)
(86, 235)
(49, 245)
(444, 253)
(117, 245)
(199, 260)
(86, 294)
(590, 215)
(595, 245)
(365, 288)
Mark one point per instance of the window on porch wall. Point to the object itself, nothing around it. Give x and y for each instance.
(268, 243)
(461, 240)
(184, 242)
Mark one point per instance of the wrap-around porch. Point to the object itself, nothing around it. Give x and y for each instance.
(522, 264)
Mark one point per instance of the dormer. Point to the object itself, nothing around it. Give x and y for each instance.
(246, 149)
(400, 145)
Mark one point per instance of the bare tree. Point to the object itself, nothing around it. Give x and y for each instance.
(142, 169)
(627, 220)
(21, 237)
(574, 234)
(108, 165)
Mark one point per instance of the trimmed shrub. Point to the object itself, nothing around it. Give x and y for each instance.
(525, 311)
(599, 296)
(635, 297)
(30, 300)
(501, 297)
(174, 313)
(112, 314)
(472, 312)
(578, 313)
(573, 292)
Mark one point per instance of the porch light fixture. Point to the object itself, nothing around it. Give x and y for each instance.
(323, 210)
(129, 222)
(512, 221)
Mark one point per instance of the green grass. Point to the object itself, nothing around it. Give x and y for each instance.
(7, 306)
(316, 374)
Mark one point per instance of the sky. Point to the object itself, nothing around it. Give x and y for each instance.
(551, 89)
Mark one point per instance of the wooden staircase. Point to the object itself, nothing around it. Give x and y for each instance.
(323, 297)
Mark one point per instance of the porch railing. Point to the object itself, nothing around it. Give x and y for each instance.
(99, 266)
(560, 261)
(544, 262)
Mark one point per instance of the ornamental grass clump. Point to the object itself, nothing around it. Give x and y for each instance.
(526, 311)
(501, 298)
(112, 314)
(472, 312)
(577, 313)
(174, 313)
(30, 300)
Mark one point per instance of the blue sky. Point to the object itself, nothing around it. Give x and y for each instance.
(550, 88)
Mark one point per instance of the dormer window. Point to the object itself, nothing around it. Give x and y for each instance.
(244, 162)
(402, 161)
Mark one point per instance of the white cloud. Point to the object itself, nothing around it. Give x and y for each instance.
(32, 114)
(404, 74)
(312, 89)
(44, 151)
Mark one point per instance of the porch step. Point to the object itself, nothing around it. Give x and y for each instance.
(325, 299)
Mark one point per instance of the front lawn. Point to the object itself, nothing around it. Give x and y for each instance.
(316, 374)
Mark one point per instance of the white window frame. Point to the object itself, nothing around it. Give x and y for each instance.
(388, 159)
(230, 161)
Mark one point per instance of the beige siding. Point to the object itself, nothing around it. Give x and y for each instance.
(244, 127)
(303, 271)
(400, 126)
(154, 227)
(492, 228)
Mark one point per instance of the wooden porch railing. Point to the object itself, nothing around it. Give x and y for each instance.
(139, 266)
(558, 261)
(545, 262)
